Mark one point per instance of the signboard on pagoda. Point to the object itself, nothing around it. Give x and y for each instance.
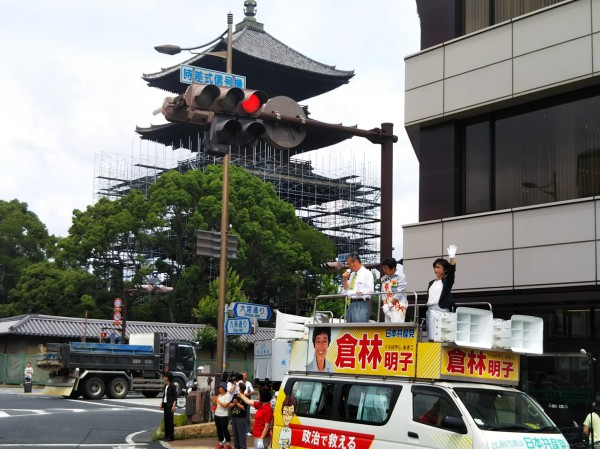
(190, 74)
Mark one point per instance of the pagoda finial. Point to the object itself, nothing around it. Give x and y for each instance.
(249, 17)
(250, 9)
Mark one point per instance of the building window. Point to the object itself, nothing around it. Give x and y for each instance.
(522, 158)
(479, 14)
(478, 166)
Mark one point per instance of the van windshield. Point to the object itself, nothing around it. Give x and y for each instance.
(505, 411)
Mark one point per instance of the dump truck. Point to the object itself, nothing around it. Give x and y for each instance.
(92, 370)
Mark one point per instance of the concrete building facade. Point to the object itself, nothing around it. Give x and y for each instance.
(502, 107)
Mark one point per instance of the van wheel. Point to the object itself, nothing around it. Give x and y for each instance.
(94, 388)
(118, 388)
(149, 394)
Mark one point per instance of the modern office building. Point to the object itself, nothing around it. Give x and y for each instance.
(502, 108)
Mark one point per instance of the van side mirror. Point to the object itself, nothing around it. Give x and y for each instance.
(454, 423)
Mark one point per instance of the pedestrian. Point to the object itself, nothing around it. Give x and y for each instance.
(221, 403)
(439, 290)
(249, 391)
(357, 282)
(261, 430)
(239, 411)
(28, 374)
(393, 289)
(591, 424)
(168, 404)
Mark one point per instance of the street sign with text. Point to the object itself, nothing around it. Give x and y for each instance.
(248, 310)
(191, 74)
(238, 326)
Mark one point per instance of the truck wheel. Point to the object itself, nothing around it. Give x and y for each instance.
(179, 385)
(150, 394)
(117, 388)
(93, 388)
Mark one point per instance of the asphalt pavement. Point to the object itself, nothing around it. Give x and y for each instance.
(200, 443)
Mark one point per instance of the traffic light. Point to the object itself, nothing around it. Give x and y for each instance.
(232, 113)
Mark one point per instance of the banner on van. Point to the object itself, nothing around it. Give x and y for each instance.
(394, 350)
(437, 361)
(358, 350)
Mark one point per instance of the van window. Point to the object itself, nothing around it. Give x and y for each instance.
(314, 398)
(503, 410)
(339, 400)
(431, 408)
(365, 403)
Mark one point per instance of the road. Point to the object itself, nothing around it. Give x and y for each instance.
(38, 421)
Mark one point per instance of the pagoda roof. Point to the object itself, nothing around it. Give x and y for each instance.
(267, 63)
(182, 135)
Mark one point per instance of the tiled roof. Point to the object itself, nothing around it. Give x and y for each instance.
(261, 45)
(267, 63)
(67, 327)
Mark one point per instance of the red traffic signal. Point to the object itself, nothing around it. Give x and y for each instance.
(253, 102)
(225, 100)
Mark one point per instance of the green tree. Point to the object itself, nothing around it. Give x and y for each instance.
(207, 310)
(24, 240)
(45, 288)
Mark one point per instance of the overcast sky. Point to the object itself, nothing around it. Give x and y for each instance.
(71, 87)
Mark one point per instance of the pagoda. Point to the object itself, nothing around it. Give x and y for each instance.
(343, 206)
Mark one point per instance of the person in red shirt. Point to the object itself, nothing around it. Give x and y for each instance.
(261, 430)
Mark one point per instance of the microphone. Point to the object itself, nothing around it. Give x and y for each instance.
(584, 352)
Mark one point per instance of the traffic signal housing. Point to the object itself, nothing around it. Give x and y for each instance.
(232, 113)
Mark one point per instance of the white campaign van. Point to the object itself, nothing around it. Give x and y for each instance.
(375, 385)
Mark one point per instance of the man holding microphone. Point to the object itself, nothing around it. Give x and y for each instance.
(357, 283)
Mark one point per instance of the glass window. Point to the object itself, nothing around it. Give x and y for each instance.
(365, 403)
(504, 410)
(478, 168)
(314, 398)
(579, 323)
(479, 14)
(431, 409)
(549, 154)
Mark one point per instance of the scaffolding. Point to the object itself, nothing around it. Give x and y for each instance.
(343, 202)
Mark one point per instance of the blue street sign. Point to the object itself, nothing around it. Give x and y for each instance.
(245, 309)
(190, 74)
(238, 326)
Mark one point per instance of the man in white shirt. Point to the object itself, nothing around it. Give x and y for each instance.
(249, 392)
(357, 282)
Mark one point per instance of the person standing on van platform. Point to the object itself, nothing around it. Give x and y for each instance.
(168, 406)
(439, 291)
(591, 424)
(357, 283)
(393, 289)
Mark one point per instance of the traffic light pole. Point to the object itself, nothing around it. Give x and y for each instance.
(384, 136)
(220, 363)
